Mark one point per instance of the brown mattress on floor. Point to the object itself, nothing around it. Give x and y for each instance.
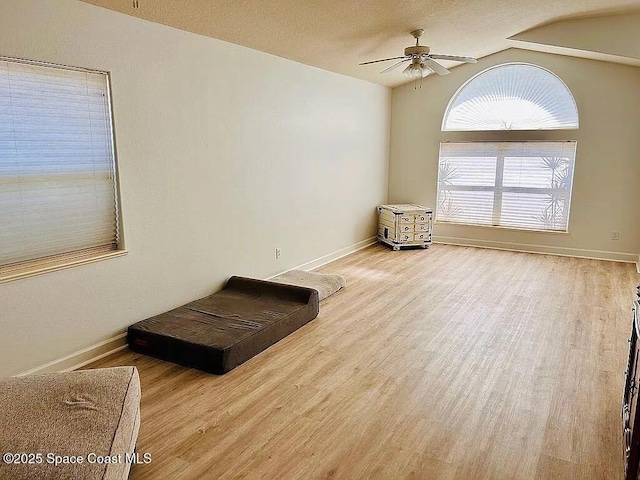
(219, 332)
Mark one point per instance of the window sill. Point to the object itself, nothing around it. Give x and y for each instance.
(497, 227)
(58, 264)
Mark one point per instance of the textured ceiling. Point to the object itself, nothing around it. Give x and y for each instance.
(336, 35)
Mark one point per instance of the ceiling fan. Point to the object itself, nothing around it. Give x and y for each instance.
(422, 61)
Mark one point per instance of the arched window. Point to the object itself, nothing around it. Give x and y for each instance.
(508, 182)
(512, 97)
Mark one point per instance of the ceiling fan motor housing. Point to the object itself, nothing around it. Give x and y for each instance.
(416, 50)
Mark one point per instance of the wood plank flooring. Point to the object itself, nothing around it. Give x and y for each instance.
(447, 363)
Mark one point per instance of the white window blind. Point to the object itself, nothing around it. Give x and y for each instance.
(523, 185)
(57, 167)
(512, 97)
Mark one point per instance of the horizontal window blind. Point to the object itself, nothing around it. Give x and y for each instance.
(57, 167)
(523, 185)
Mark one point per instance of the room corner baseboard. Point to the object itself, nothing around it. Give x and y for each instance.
(343, 252)
(543, 249)
(638, 265)
(82, 357)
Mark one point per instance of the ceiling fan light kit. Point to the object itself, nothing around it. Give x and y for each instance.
(423, 62)
(416, 71)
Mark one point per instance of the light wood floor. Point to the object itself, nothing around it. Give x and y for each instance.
(447, 363)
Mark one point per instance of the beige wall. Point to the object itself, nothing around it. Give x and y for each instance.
(615, 35)
(606, 193)
(224, 153)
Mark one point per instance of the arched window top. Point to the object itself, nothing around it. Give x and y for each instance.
(513, 96)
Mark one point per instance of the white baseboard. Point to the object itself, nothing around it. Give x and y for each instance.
(343, 252)
(119, 342)
(82, 357)
(548, 250)
(638, 265)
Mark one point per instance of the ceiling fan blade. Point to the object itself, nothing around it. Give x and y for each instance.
(435, 66)
(395, 65)
(382, 60)
(454, 58)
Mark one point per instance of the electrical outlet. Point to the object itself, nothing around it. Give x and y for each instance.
(277, 254)
(615, 235)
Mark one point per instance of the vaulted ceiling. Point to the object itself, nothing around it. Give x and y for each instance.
(337, 35)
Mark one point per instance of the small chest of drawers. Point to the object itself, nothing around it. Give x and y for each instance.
(405, 225)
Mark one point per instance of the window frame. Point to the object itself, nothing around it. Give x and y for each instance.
(36, 266)
(482, 136)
